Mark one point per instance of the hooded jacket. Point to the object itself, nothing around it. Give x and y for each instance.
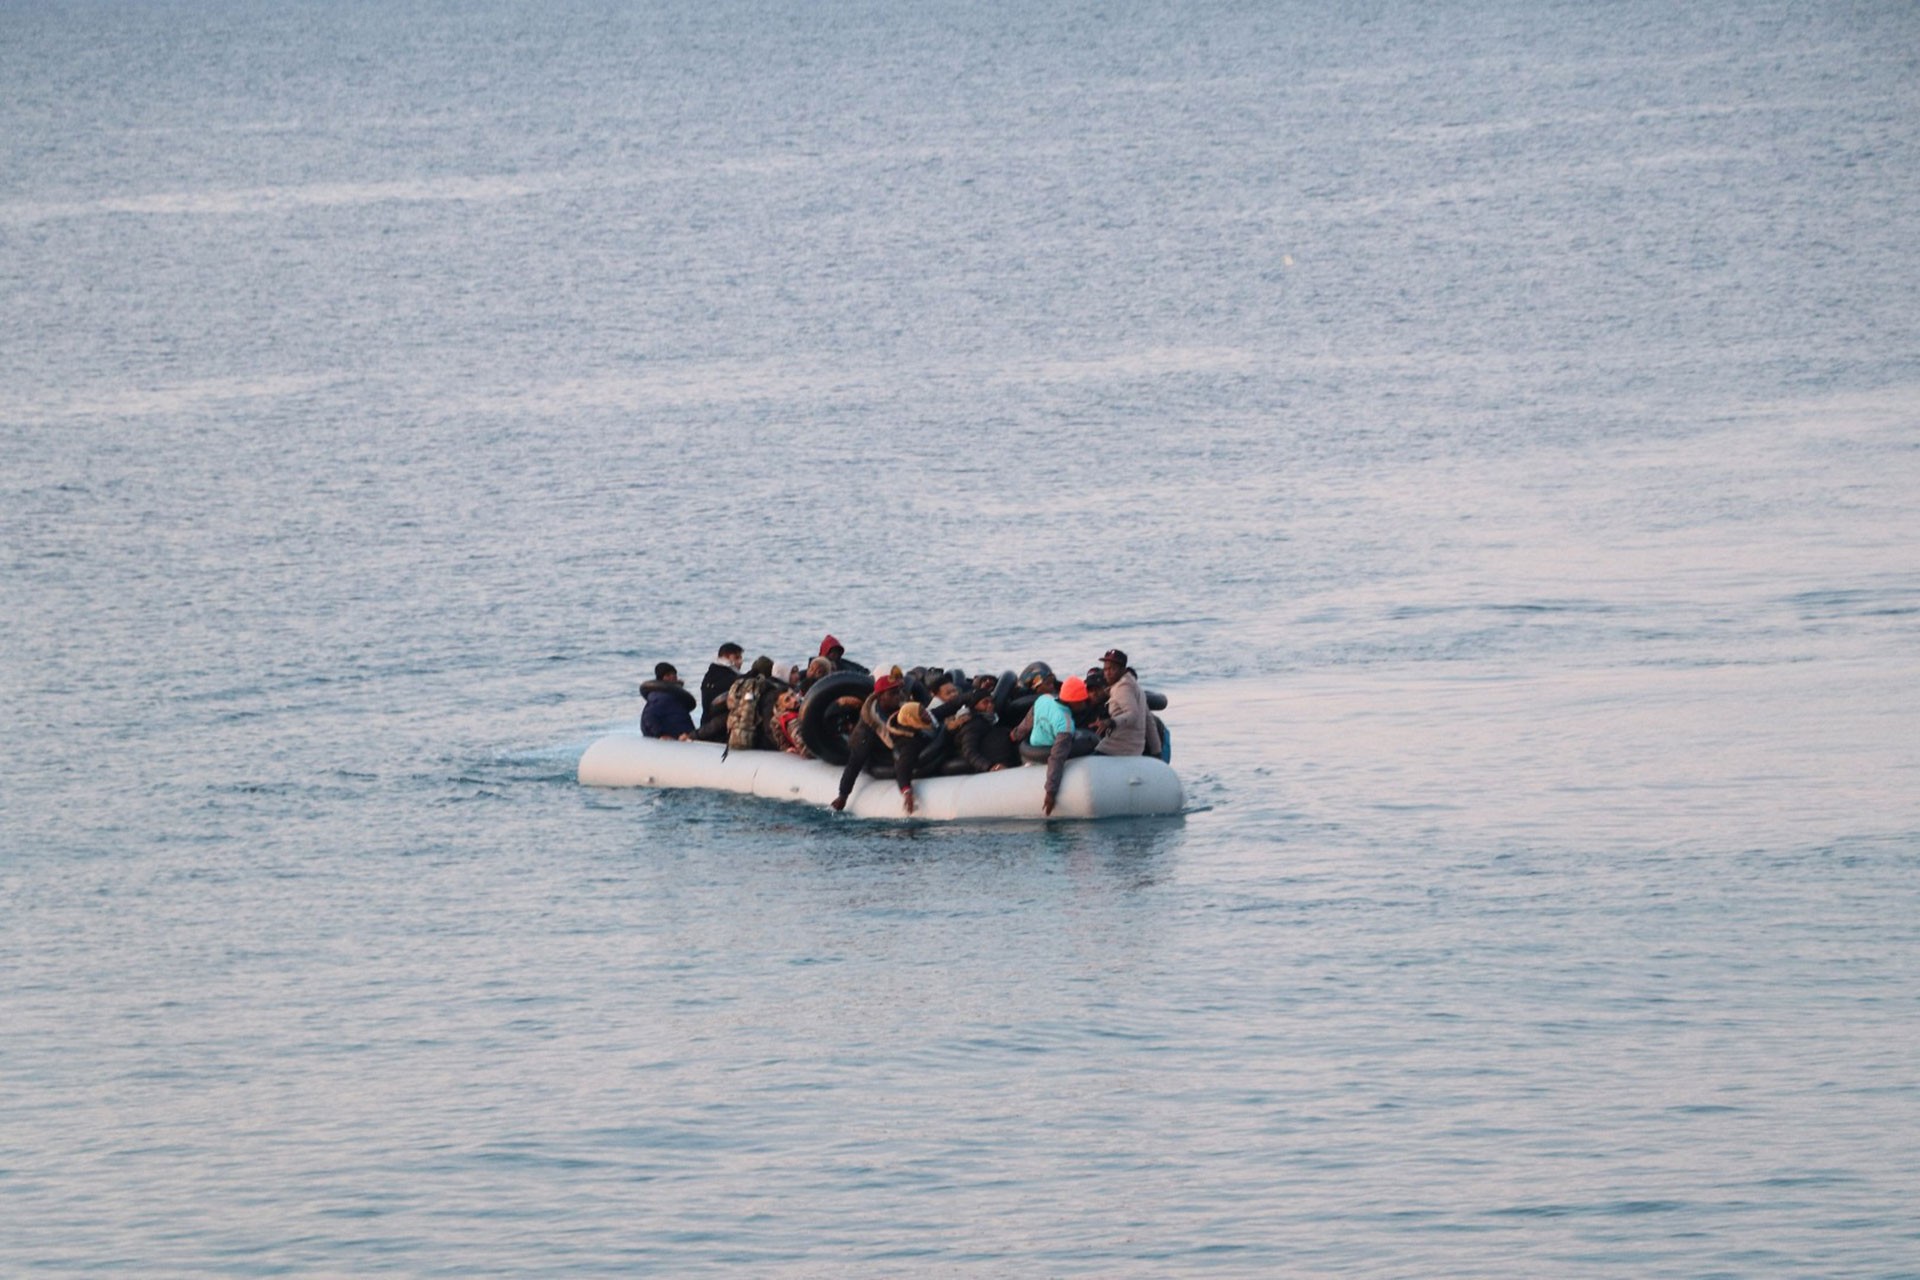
(668, 712)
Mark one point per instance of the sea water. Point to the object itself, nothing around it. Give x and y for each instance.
(1495, 426)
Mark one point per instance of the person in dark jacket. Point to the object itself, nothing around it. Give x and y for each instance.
(873, 730)
(983, 748)
(1089, 713)
(668, 713)
(833, 651)
(907, 729)
(721, 673)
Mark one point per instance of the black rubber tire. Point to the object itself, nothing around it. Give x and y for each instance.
(1156, 701)
(824, 723)
(934, 752)
(1003, 693)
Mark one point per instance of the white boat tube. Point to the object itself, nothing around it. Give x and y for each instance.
(1090, 787)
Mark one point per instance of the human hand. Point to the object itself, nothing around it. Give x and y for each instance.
(839, 803)
(1046, 807)
(906, 798)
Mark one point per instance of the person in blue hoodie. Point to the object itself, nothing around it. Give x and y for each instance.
(670, 704)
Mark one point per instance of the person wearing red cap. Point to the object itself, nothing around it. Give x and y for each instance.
(877, 729)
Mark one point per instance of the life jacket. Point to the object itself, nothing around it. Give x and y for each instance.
(743, 711)
(786, 732)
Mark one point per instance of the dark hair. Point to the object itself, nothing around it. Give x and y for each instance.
(730, 647)
(661, 670)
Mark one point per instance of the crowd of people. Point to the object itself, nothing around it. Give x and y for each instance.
(758, 707)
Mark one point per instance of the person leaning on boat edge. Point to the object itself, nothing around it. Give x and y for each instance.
(1049, 730)
(908, 727)
(874, 730)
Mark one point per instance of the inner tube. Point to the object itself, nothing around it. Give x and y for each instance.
(1003, 693)
(933, 754)
(824, 723)
(1156, 701)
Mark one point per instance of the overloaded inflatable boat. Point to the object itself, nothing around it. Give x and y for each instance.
(1091, 786)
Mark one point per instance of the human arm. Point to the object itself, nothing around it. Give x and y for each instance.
(906, 755)
(1056, 764)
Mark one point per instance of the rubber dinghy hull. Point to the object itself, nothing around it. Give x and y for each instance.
(1091, 787)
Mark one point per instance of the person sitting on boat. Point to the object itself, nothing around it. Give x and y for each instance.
(947, 701)
(668, 713)
(974, 731)
(1127, 729)
(817, 670)
(721, 673)
(786, 723)
(1089, 713)
(873, 730)
(750, 708)
(1050, 733)
(836, 653)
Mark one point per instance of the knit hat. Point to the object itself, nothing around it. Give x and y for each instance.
(1074, 689)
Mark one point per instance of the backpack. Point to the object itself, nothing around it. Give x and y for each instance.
(743, 711)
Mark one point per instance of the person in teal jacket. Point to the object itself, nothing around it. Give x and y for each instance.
(1048, 732)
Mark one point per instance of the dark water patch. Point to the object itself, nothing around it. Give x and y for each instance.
(1879, 602)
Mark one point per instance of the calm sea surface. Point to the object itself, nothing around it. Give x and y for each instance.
(1495, 425)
